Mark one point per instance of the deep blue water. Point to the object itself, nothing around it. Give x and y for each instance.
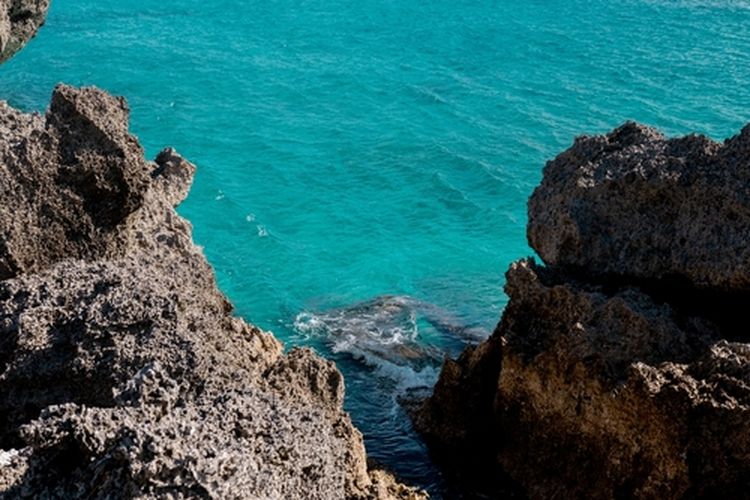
(351, 149)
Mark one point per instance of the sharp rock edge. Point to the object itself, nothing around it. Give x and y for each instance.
(123, 373)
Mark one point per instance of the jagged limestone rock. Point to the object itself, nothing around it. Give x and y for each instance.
(636, 205)
(122, 370)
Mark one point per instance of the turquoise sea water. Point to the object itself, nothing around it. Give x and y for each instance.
(351, 149)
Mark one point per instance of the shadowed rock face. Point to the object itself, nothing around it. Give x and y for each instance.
(122, 370)
(19, 22)
(68, 181)
(608, 376)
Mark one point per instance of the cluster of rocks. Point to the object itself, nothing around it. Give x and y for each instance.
(620, 368)
(123, 373)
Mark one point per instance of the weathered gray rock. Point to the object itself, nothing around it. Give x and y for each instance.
(607, 376)
(19, 22)
(68, 181)
(635, 204)
(122, 370)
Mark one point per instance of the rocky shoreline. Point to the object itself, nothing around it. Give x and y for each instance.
(620, 368)
(123, 373)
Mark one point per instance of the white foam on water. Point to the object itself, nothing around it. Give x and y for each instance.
(308, 324)
(406, 377)
(382, 335)
(7, 456)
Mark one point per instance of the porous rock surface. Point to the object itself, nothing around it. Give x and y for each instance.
(123, 373)
(19, 22)
(621, 369)
(635, 203)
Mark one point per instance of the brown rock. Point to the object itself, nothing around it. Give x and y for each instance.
(68, 181)
(122, 370)
(636, 205)
(19, 22)
(616, 374)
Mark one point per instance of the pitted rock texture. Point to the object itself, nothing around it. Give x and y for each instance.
(68, 181)
(123, 373)
(635, 204)
(19, 22)
(615, 382)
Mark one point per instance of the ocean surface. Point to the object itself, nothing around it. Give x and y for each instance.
(364, 165)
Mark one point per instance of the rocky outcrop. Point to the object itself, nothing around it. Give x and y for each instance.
(123, 373)
(620, 369)
(19, 22)
(122, 370)
(635, 204)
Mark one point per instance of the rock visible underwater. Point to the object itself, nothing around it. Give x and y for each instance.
(384, 330)
(622, 368)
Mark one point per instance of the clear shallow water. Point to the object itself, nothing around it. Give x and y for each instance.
(348, 150)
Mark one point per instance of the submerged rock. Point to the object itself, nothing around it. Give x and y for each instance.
(386, 329)
(19, 22)
(122, 370)
(609, 376)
